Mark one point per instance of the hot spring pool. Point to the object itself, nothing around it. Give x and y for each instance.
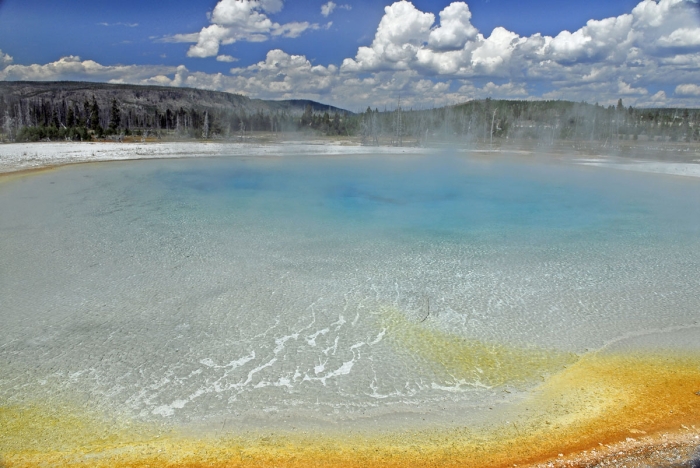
(374, 295)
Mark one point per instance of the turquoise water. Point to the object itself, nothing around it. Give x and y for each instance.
(443, 195)
(183, 291)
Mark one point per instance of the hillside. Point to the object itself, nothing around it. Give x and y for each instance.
(490, 120)
(32, 111)
(101, 107)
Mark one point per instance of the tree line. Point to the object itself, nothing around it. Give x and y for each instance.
(483, 121)
(488, 121)
(45, 119)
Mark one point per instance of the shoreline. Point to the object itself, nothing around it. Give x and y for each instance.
(664, 449)
(18, 158)
(25, 158)
(657, 447)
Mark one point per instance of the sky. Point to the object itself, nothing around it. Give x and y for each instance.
(359, 53)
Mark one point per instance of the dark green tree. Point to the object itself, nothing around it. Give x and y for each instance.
(70, 119)
(94, 115)
(115, 117)
(307, 117)
(326, 123)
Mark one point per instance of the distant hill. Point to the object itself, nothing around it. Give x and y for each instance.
(65, 104)
(543, 121)
(31, 111)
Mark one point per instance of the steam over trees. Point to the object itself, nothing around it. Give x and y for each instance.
(97, 111)
(488, 121)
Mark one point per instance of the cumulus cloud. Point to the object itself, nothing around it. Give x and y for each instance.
(328, 8)
(687, 90)
(598, 40)
(73, 68)
(455, 28)
(494, 52)
(456, 47)
(226, 58)
(506, 90)
(5, 59)
(401, 34)
(434, 59)
(294, 29)
(239, 20)
(657, 100)
(657, 42)
(624, 89)
(683, 37)
(285, 75)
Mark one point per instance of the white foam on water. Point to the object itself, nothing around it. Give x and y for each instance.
(461, 386)
(379, 337)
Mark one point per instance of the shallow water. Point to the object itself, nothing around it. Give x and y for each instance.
(376, 291)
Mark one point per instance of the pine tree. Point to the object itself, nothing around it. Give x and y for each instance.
(86, 114)
(115, 118)
(307, 117)
(70, 119)
(54, 119)
(94, 115)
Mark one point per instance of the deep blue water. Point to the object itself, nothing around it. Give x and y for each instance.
(446, 196)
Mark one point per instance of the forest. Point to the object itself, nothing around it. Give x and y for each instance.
(37, 111)
(491, 121)
(94, 111)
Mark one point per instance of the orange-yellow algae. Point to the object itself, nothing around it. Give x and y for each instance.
(596, 400)
(484, 363)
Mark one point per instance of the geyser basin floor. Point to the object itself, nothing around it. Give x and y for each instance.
(390, 310)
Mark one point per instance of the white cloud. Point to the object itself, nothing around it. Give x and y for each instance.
(683, 37)
(495, 51)
(328, 8)
(653, 47)
(658, 42)
(657, 100)
(191, 37)
(687, 90)
(507, 90)
(284, 74)
(455, 28)
(239, 20)
(226, 58)
(5, 59)
(598, 40)
(128, 25)
(653, 13)
(73, 68)
(272, 6)
(624, 89)
(294, 29)
(401, 33)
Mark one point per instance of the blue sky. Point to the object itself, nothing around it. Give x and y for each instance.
(353, 53)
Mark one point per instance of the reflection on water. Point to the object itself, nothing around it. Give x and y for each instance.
(344, 293)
